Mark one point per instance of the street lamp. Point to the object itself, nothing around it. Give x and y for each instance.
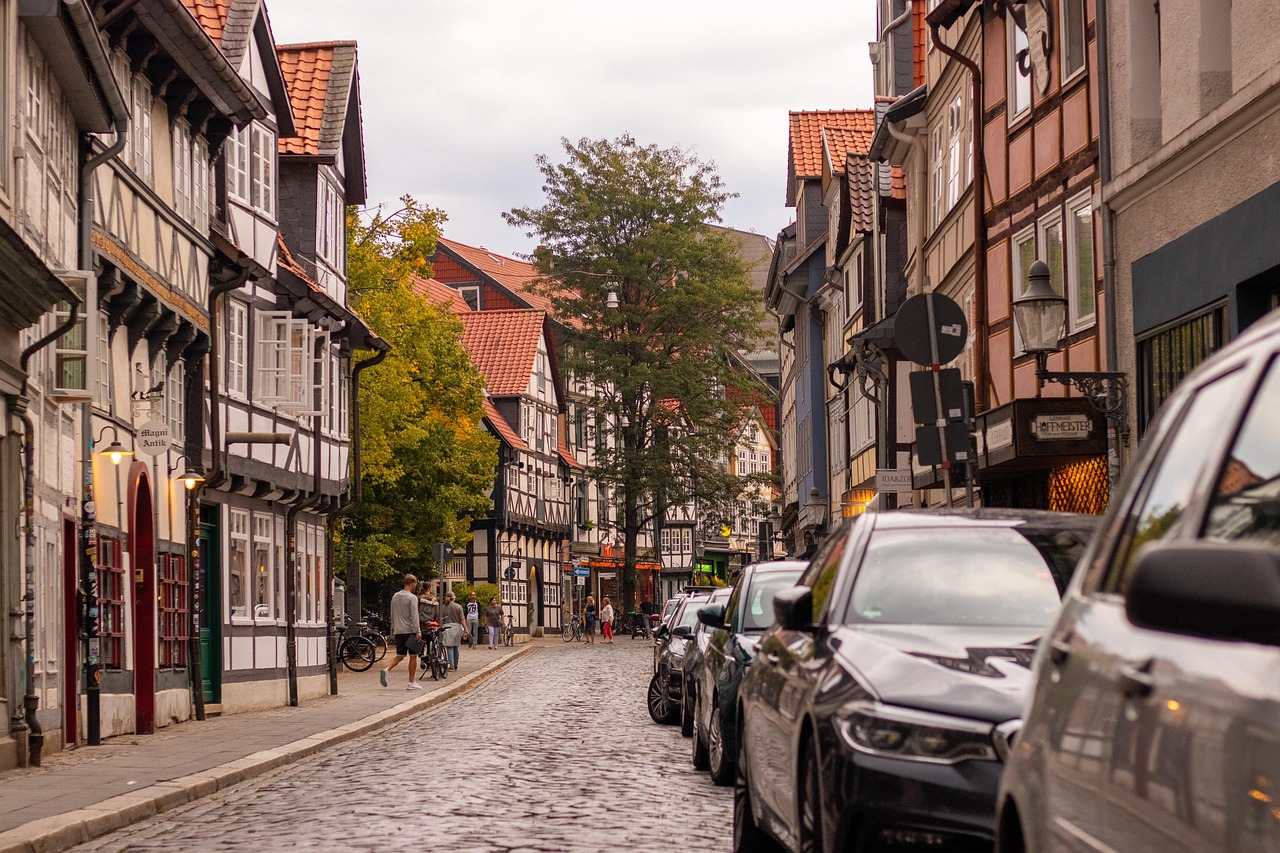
(611, 300)
(1041, 315)
(115, 450)
(190, 477)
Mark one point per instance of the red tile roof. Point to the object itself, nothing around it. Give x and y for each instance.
(805, 151)
(286, 259)
(839, 142)
(501, 427)
(863, 191)
(306, 70)
(567, 457)
(439, 294)
(502, 346)
(212, 15)
(512, 273)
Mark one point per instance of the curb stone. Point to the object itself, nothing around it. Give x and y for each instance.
(62, 832)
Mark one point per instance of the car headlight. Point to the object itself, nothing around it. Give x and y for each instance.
(894, 732)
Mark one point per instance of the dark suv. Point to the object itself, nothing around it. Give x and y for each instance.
(1155, 721)
(671, 639)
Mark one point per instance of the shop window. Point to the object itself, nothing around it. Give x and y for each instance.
(111, 587)
(238, 564)
(1167, 356)
(173, 611)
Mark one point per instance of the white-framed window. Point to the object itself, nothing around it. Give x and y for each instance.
(1022, 256)
(140, 129)
(836, 435)
(862, 424)
(102, 377)
(237, 347)
(181, 134)
(238, 587)
(743, 467)
(955, 147)
(1082, 294)
(265, 605)
(853, 285)
(175, 394)
(938, 170)
(200, 176)
(331, 230)
(471, 295)
(237, 151)
(271, 357)
(281, 570)
(1074, 44)
(262, 195)
(1049, 244)
(1019, 77)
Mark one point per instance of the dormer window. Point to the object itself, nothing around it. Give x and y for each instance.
(331, 223)
(251, 168)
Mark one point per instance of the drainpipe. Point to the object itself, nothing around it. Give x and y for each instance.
(980, 366)
(27, 726)
(87, 29)
(290, 524)
(357, 498)
(922, 209)
(1116, 430)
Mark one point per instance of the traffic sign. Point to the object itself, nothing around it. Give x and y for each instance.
(581, 571)
(930, 329)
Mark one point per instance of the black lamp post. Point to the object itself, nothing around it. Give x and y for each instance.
(1041, 315)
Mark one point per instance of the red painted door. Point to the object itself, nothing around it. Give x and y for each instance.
(142, 551)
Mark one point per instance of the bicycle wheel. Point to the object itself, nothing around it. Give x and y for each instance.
(379, 645)
(356, 653)
(508, 637)
(568, 632)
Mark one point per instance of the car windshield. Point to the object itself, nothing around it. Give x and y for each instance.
(688, 615)
(758, 613)
(991, 576)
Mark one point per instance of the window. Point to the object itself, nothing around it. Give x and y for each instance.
(1049, 236)
(937, 164)
(140, 129)
(1081, 278)
(1024, 255)
(271, 361)
(175, 401)
(111, 588)
(1073, 37)
(200, 176)
(1172, 480)
(862, 424)
(182, 189)
(1246, 500)
(1167, 356)
(102, 379)
(331, 230)
(470, 295)
(836, 434)
(820, 577)
(281, 571)
(262, 190)
(237, 344)
(238, 587)
(955, 145)
(1019, 69)
(173, 611)
(237, 148)
(264, 604)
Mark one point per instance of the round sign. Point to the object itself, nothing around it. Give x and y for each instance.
(930, 341)
(152, 438)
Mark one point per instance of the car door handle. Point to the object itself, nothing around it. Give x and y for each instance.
(1136, 680)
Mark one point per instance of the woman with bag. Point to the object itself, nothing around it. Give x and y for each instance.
(606, 621)
(451, 626)
(589, 621)
(493, 619)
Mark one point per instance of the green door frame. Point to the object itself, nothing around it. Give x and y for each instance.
(209, 541)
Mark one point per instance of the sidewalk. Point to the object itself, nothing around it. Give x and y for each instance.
(84, 793)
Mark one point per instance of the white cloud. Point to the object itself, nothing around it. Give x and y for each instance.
(460, 97)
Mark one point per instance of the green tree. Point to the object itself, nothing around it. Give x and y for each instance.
(632, 221)
(428, 463)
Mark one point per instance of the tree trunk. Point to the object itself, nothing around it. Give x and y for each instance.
(631, 534)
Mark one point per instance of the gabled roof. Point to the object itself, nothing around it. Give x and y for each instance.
(502, 346)
(212, 15)
(501, 427)
(839, 142)
(804, 148)
(510, 274)
(862, 192)
(324, 89)
(439, 294)
(231, 24)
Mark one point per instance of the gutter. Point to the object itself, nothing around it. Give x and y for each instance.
(981, 368)
(357, 494)
(1116, 432)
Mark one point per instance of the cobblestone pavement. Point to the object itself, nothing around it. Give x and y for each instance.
(555, 754)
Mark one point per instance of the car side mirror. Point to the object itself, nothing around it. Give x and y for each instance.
(793, 608)
(681, 632)
(660, 632)
(712, 615)
(1216, 590)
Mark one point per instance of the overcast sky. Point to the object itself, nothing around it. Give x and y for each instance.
(459, 97)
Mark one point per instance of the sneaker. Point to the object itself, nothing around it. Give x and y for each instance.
(382, 677)
(414, 686)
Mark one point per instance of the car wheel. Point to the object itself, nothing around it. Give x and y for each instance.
(700, 757)
(660, 709)
(748, 837)
(686, 713)
(810, 802)
(718, 760)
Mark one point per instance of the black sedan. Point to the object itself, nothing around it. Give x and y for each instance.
(695, 657)
(670, 641)
(878, 711)
(711, 690)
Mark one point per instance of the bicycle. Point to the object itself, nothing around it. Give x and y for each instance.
(374, 636)
(572, 633)
(509, 632)
(434, 658)
(356, 653)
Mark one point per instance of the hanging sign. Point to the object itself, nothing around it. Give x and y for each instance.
(152, 438)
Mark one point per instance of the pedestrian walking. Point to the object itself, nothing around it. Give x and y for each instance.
(606, 621)
(451, 624)
(493, 618)
(473, 620)
(428, 609)
(589, 621)
(408, 636)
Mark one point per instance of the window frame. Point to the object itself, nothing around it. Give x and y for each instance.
(112, 594)
(237, 533)
(1064, 29)
(1017, 275)
(173, 633)
(1016, 110)
(1075, 275)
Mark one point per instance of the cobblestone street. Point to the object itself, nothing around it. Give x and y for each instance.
(555, 754)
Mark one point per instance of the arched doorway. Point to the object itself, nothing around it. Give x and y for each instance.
(142, 559)
(535, 600)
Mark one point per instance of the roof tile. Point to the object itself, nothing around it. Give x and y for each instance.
(501, 427)
(212, 15)
(806, 136)
(439, 294)
(502, 346)
(839, 142)
(308, 75)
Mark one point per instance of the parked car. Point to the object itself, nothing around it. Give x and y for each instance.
(711, 693)
(670, 641)
(693, 658)
(877, 710)
(1155, 723)
(669, 606)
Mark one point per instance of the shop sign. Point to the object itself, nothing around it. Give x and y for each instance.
(893, 480)
(999, 435)
(152, 438)
(1063, 427)
(604, 576)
